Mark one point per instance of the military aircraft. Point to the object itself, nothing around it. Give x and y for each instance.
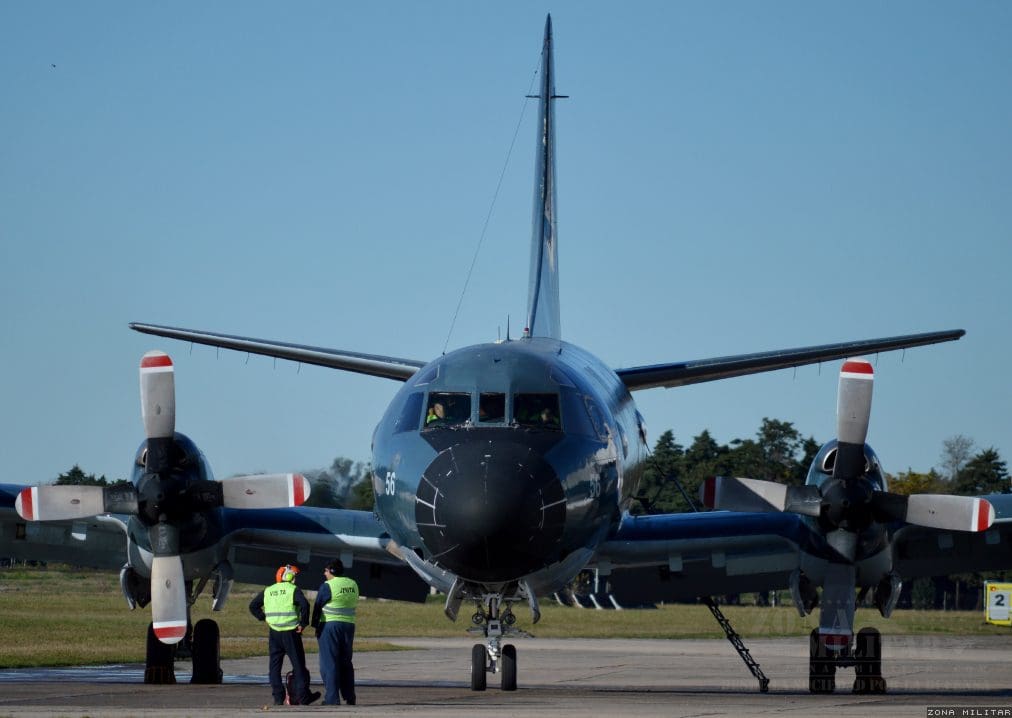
(502, 470)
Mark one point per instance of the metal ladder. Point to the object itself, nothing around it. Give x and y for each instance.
(739, 645)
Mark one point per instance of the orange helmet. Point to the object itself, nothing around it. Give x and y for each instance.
(287, 573)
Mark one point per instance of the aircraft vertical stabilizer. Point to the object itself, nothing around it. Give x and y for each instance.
(543, 296)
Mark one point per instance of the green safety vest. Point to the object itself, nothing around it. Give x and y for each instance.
(279, 606)
(343, 599)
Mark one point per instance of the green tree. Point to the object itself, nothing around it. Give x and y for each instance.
(984, 473)
(362, 495)
(657, 490)
(809, 450)
(779, 442)
(334, 487)
(911, 482)
(76, 477)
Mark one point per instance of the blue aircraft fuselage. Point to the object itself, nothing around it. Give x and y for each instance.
(527, 463)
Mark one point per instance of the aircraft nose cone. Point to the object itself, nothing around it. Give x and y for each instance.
(490, 510)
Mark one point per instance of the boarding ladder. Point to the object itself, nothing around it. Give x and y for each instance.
(732, 635)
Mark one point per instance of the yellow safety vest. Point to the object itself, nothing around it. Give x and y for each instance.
(279, 606)
(343, 600)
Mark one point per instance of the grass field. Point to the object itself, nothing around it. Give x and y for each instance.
(64, 616)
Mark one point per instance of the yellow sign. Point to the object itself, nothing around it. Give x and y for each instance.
(998, 608)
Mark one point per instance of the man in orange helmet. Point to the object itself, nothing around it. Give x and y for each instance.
(286, 611)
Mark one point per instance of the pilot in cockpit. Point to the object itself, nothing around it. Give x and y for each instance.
(436, 415)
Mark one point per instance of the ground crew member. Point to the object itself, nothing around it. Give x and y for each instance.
(334, 620)
(286, 611)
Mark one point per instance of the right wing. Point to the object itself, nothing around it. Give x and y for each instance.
(700, 370)
(260, 540)
(372, 364)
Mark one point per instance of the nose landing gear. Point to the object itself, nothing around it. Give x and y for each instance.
(495, 623)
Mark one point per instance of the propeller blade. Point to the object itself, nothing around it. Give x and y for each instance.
(937, 511)
(853, 412)
(168, 599)
(266, 491)
(954, 513)
(158, 395)
(56, 503)
(62, 503)
(733, 494)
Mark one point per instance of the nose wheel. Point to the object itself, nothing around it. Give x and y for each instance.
(494, 656)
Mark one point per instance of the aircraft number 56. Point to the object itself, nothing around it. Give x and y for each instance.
(389, 486)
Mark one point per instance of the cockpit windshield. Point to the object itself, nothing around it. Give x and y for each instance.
(537, 410)
(447, 409)
(491, 408)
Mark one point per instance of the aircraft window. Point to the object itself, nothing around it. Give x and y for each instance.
(447, 409)
(410, 414)
(596, 418)
(429, 376)
(540, 410)
(492, 408)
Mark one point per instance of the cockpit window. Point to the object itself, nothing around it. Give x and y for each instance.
(537, 410)
(447, 409)
(491, 408)
(411, 412)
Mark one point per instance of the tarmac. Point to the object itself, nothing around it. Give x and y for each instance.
(926, 675)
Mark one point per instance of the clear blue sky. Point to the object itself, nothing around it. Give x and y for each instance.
(733, 177)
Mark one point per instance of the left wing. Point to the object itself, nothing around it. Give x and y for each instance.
(372, 364)
(671, 557)
(700, 370)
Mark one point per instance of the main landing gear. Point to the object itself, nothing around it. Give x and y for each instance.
(202, 643)
(865, 656)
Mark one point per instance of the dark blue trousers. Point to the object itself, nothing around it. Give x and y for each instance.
(281, 644)
(336, 669)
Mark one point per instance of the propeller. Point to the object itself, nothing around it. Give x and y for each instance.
(166, 495)
(847, 503)
(848, 500)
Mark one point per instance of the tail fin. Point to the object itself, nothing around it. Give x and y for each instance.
(543, 293)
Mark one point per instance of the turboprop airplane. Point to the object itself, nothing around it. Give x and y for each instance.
(501, 471)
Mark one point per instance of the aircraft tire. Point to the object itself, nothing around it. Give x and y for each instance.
(478, 677)
(206, 653)
(159, 661)
(509, 667)
(821, 667)
(868, 665)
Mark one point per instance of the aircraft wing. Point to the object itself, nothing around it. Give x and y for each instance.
(671, 557)
(372, 364)
(919, 551)
(700, 370)
(258, 541)
(96, 542)
(255, 542)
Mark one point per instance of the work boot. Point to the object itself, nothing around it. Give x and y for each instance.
(311, 697)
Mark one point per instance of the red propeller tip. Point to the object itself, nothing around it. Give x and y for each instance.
(709, 492)
(298, 491)
(25, 503)
(858, 368)
(985, 515)
(156, 361)
(170, 631)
